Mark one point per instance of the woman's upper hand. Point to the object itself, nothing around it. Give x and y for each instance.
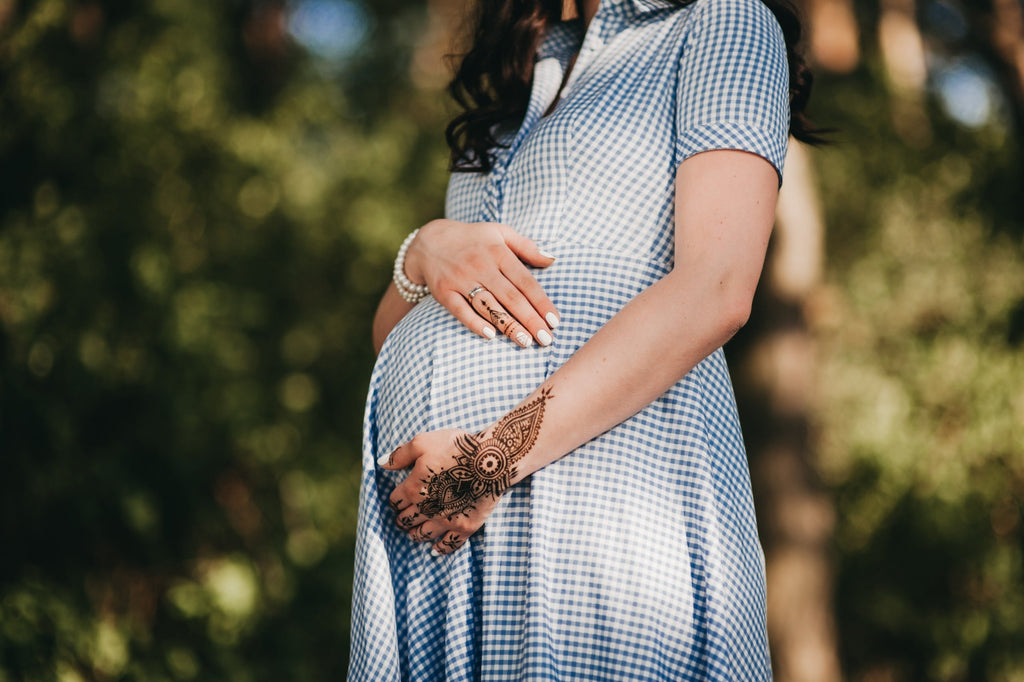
(486, 260)
(446, 497)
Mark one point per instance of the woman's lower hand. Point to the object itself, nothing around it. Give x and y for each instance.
(477, 272)
(450, 491)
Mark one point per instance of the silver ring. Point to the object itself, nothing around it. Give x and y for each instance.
(476, 290)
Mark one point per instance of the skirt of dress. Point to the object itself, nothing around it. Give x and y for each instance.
(634, 557)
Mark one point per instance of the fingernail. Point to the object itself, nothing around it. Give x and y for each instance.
(523, 339)
(434, 553)
(543, 338)
(382, 461)
(552, 320)
(489, 333)
(545, 254)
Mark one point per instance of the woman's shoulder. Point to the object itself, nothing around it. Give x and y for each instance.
(738, 18)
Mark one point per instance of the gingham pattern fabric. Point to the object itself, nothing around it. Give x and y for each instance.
(634, 557)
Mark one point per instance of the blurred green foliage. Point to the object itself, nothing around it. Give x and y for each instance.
(920, 413)
(196, 220)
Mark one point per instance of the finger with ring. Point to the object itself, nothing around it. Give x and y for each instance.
(487, 306)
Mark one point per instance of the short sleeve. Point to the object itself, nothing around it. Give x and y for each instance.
(733, 89)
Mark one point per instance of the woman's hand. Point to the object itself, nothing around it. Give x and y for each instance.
(445, 498)
(458, 477)
(477, 272)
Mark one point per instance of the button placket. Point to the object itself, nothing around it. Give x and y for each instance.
(592, 44)
(547, 76)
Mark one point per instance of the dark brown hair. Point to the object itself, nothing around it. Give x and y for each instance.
(492, 83)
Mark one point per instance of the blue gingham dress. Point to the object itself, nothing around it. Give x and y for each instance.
(634, 557)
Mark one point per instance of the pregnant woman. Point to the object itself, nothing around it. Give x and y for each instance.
(568, 498)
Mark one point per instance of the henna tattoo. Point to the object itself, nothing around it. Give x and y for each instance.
(407, 521)
(484, 468)
(452, 542)
(423, 535)
(498, 317)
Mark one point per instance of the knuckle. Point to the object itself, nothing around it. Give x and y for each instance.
(452, 300)
(514, 299)
(518, 273)
(445, 283)
(533, 321)
(532, 288)
(420, 470)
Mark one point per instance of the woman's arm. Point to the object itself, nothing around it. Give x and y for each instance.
(725, 206)
(390, 312)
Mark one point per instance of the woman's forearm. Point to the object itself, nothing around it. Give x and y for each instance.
(724, 212)
(642, 351)
(389, 313)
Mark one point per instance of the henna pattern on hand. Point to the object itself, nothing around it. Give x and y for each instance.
(452, 542)
(484, 468)
(498, 317)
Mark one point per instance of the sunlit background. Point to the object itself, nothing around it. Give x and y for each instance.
(199, 207)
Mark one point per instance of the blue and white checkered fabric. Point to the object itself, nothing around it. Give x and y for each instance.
(636, 556)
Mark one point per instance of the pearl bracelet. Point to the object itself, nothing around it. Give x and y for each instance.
(407, 289)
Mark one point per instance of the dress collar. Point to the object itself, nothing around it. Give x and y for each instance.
(562, 41)
(638, 7)
(564, 37)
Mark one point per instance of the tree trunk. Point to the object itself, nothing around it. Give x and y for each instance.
(1008, 39)
(997, 33)
(833, 37)
(906, 69)
(775, 388)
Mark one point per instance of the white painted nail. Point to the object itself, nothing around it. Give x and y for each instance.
(489, 332)
(434, 553)
(543, 338)
(383, 460)
(523, 339)
(552, 320)
(546, 254)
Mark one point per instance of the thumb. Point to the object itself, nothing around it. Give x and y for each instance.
(401, 458)
(525, 248)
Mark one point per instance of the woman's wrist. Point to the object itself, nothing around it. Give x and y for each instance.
(507, 448)
(409, 290)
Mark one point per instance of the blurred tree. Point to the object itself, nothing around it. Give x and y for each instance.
(917, 353)
(774, 363)
(195, 215)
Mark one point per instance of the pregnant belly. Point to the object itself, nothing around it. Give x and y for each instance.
(433, 373)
